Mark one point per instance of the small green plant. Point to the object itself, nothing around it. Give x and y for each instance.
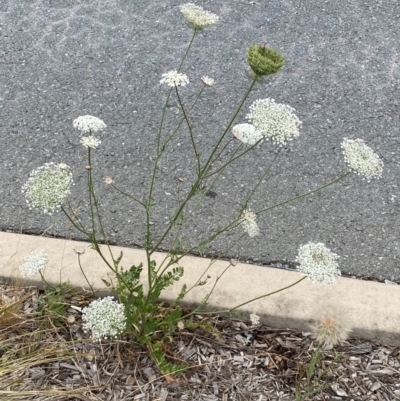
(309, 380)
(203, 324)
(49, 188)
(54, 302)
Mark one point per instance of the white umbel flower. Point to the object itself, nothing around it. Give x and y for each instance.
(174, 78)
(48, 187)
(274, 120)
(207, 80)
(249, 224)
(197, 16)
(247, 133)
(318, 263)
(362, 159)
(104, 318)
(108, 180)
(90, 142)
(89, 124)
(33, 263)
(254, 319)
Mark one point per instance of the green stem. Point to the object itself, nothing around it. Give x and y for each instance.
(198, 204)
(153, 175)
(207, 164)
(229, 226)
(82, 230)
(182, 120)
(222, 254)
(220, 152)
(304, 194)
(232, 159)
(203, 171)
(84, 275)
(267, 295)
(94, 209)
(266, 172)
(128, 195)
(195, 186)
(207, 297)
(187, 50)
(245, 303)
(219, 256)
(45, 282)
(190, 130)
(166, 142)
(90, 184)
(94, 204)
(75, 216)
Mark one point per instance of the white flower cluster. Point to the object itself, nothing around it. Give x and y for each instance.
(274, 120)
(174, 78)
(254, 319)
(104, 318)
(34, 262)
(247, 133)
(90, 142)
(89, 124)
(249, 223)
(197, 16)
(48, 187)
(318, 263)
(207, 80)
(362, 158)
(108, 180)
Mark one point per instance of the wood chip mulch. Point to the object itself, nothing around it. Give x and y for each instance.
(230, 361)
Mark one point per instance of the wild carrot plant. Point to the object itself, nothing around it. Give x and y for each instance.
(49, 189)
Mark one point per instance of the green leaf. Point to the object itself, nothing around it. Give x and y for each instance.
(181, 295)
(162, 364)
(118, 260)
(168, 322)
(107, 283)
(165, 280)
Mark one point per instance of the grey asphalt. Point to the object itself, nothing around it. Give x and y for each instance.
(61, 59)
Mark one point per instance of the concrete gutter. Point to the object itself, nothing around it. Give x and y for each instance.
(370, 309)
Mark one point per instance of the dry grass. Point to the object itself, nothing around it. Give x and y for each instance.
(49, 357)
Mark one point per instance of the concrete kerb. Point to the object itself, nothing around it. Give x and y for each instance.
(370, 309)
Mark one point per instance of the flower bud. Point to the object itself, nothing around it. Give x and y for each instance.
(264, 60)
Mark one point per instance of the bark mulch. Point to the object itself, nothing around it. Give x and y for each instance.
(49, 359)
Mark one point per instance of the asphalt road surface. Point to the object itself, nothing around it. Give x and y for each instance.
(60, 59)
